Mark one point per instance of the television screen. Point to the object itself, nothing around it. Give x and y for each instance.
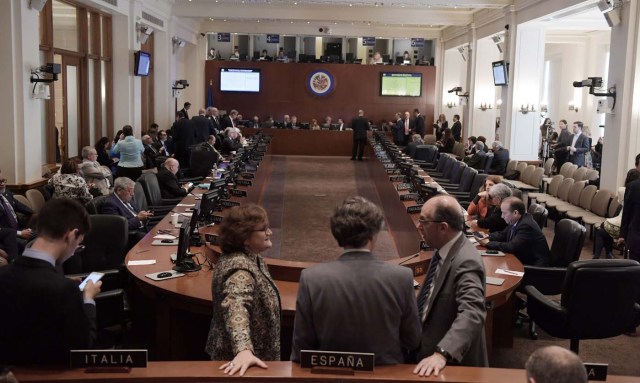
(142, 63)
(240, 80)
(500, 76)
(401, 84)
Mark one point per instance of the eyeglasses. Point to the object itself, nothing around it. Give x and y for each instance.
(423, 221)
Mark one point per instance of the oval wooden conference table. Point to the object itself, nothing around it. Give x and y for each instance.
(179, 309)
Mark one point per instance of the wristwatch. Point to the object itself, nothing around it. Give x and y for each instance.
(444, 353)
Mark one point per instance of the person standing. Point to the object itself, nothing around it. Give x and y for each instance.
(579, 145)
(185, 109)
(398, 130)
(407, 128)
(184, 135)
(440, 126)
(451, 301)
(336, 298)
(203, 126)
(130, 152)
(560, 153)
(630, 224)
(418, 122)
(456, 128)
(360, 126)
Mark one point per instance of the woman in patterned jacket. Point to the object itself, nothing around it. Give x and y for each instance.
(245, 328)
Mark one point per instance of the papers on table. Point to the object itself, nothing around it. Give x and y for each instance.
(186, 204)
(186, 213)
(142, 262)
(510, 272)
(495, 281)
(164, 236)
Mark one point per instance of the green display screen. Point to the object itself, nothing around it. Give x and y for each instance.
(401, 84)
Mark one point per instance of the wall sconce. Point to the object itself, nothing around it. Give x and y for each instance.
(451, 104)
(485, 106)
(573, 107)
(499, 103)
(524, 109)
(144, 31)
(544, 108)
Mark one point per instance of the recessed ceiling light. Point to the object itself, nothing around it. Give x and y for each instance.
(351, 5)
(224, 20)
(335, 23)
(292, 22)
(308, 22)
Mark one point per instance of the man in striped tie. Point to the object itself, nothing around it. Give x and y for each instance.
(451, 302)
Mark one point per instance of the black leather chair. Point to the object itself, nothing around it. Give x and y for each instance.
(158, 211)
(466, 198)
(539, 214)
(425, 156)
(566, 247)
(466, 180)
(95, 205)
(598, 301)
(151, 188)
(202, 162)
(487, 161)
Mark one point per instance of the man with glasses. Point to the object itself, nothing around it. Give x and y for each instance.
(357, 303)
(121, 202)
(9, 206)
(93, 172)
(451, 302)
(44, 313)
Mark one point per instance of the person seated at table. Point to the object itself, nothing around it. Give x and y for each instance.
(376, 59)
(122, 203)
(554, 364)
(410, 149)
(479, 207)
(522, 237)
(470, 148)
(475, 160)
(168, 181)
(314, 124)
(493, 220)
(93, 172)
(69, 184)
(327, 123)
(231, 141)
(264, 56)
(245, 328)
(446, 144)
(294, 122)
(336, 298)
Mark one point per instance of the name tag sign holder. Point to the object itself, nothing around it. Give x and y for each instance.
(108, 361)
(336, 362)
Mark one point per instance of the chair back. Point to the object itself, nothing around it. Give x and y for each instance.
(571, 170)
(600, 203)
(448, 167)
(466, 180)
(565, 169)
(565, 187)
(516, 193)
(458, 149)
(568, 240)
(477, 183)
(520, 167)
(95, 205)
(423, 153)
(613, 207)
(139, 197)
(539, 214)
(548, 166)
(512, 165)
(429, 139)
(575, 192)
(580, 174)
(23, 200)
(151, 188)
(442, 163)
(536, 178)
(592, 175)
(526, 174)
(201, 162)
(36, 199)
(105, 246)
(488, 160)
(599, 296)
(554, 185)
(456, 173)
(587, 196)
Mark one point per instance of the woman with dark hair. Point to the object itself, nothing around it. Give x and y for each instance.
(471, 146)
(479, 207)
(102, 147)
(130, 151)
(245, 328)
(69, 184)
(440, 125)
(446, 144)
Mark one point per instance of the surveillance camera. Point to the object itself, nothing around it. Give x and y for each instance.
(580, 84)
(51, 68)
(184, 83)
(456, 89)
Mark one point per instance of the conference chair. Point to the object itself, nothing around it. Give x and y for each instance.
(425, 155)
(36, 198)
(539, 214)
(598, 301)
(201, 163)
(548, 167)
(105, 251)
(95, 205)
(158, 211)
(580, 174)
(23, 200)
(466, 180)
(454, 174)
(465, 198)
(151, 188)
(552, 190)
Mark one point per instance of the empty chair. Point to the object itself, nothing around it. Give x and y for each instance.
(580, 174)
(563, 193)
(574, 198)
(23, 200)
(95, 205)
(466, 180)
(586, 197)
(566, 169)
(520, 167)
(488, 160)
(548, 167)
(465, 198)
(539, 214)
(429, 139)
(36, 199)
(598, 211)
(552, 191)
(592, 175)
(512, 165)
(598, 301)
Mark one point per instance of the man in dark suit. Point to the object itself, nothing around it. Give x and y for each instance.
(418, 122)
(165, 144)
(121, 203)
(202, 126)
(168, 181)
(9, 206)
(44, 313)
(185, 109)
(500, 159)
(229, 121)
(410, 149)
(359, 125)
(475, 161)
(522, 236)
(152, 152)
(184, 135)
(407, 127)
(214, 116)
(8, 244)
(579, 145)
(456, 128)
(398, 130)
(451, 302)
(335, 299)
(630, 226)
(564, 139)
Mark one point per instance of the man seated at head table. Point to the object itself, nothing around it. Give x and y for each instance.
(122, 203)
(522, 236)
(553, 364)
(493, 221)
(45, 314)
(168, 180)
(357, 303)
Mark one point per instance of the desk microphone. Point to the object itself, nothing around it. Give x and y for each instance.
(178, 213)
(408, 259)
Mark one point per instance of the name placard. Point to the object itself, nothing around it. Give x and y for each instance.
(217, 218)
(238, 192)
(244, 182)
(108, 358)
(389, 166)
(596, 371)
(393, 171)
(415, 209)
(248, 175)
(408, 197)
(397, 178)
(403, 186)
(354, 360)
(227, 203)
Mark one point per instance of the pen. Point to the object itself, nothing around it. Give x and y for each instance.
(142, 251)
(509, 272)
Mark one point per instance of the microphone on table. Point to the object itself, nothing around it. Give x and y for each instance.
(408, 259)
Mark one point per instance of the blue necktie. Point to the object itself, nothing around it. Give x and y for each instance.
(426, 289)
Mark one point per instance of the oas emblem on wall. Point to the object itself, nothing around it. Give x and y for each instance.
(320, 82)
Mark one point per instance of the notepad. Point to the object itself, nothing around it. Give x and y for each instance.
(496, 254)
(142, 262)
(164, 236)
(510, 272)
(495, 281)
(186, 204)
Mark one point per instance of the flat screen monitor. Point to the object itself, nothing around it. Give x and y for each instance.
(401, 84)
(184, 262)
(500, 76)
(240, 80)
(209, 204)
(142, 63)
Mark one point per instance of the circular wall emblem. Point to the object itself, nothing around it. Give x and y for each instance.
(320, 82)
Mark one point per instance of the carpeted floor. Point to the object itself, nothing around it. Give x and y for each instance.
(300, 197)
